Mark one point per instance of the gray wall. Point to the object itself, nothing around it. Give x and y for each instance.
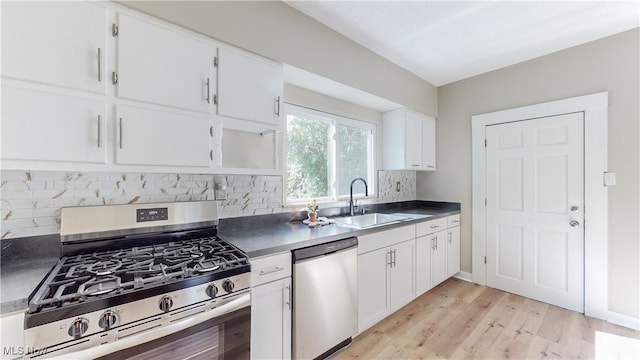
(610, 64)
(277, 31)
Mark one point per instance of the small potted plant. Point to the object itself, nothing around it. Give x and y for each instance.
(312, 211)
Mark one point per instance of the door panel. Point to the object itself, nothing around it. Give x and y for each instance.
(510, 251)
(373, 281)
(535, 173)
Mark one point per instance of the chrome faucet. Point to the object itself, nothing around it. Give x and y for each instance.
(366, 193)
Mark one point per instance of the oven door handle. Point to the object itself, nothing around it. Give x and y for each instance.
(131, 341)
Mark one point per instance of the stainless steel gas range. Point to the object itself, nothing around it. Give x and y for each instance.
(142, 282)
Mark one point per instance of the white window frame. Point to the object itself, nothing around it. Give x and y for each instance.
(291, 109)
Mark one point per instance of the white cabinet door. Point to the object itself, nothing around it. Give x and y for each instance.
(428, 143)
(438, 257)
(409, 140)
(453, 251)
(373, 283)
(55, 43)
(149, 137)
(271, 320)
(12, 335)
(423, 264)
(162, 66)
(401, 275)
(38, 125)
(413, 141)
(249, 88)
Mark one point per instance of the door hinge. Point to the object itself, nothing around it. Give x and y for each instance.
(211, 154)
(211, 131)
(114, 30)
(485, 259)
(215, 61)
(485, 142)
(114, 78)
(215, 99)
(485, 201)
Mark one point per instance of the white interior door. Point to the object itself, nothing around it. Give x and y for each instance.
(535, 209)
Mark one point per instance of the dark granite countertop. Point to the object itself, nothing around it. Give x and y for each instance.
(25, 261)
(273, 239)
(23, 265)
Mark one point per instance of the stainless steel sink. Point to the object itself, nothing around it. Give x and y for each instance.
(370, 220)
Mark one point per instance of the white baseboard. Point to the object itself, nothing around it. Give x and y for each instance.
(463, 275)
(624, 320)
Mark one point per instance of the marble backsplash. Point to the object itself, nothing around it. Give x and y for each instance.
(31, 200)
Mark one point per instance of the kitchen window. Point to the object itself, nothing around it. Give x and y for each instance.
(324, 153)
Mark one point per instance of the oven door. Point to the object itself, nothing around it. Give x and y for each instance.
(220, 333)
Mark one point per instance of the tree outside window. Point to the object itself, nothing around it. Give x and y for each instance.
(325, 153)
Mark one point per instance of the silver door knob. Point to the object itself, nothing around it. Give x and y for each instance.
(574, 223)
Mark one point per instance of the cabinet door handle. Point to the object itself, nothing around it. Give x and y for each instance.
(287, 296)
(450, 237)
(415, 165)
(434, 243)
(389, 258)
(394, 257)
(278, 106)
(99, 130)
(208, 91)
(120, 132)
(99, 64)
(272, 270)
(455, 221)
(434, 226)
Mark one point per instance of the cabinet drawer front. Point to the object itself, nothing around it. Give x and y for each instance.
(429, 227)
(453, 220)
(385, 238)
(270, 268)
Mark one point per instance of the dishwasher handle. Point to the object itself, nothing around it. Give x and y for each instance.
(324, 249)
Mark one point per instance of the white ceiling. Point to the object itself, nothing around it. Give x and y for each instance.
(446, 41)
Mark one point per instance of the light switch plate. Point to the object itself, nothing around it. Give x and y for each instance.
(609, 178)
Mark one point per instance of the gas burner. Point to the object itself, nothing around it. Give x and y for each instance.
(206, 266)
(104, 267)
(99, 286)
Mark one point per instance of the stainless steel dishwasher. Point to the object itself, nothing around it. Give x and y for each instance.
(325, 300)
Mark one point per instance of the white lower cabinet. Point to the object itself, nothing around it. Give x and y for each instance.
(271, 307)
(385, 274)
(12, 335)
(453, 251)
(437, 252)
(438, 257)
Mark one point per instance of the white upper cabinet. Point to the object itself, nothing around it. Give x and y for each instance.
(409, 141)
(43, 126)
(55, 43)
(249, 87)
(161, 138)
(163, 66)
(428, 143)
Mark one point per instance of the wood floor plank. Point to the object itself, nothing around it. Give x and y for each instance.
(461, 320)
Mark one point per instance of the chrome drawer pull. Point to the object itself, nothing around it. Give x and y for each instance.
(434, 226)
(275, 269)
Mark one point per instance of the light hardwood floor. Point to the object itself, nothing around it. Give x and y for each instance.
(461, 320)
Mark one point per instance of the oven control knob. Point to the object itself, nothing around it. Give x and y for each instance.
(107, 319)
(212, 291)
(166, 303)
(227, 285)
(78, 327)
